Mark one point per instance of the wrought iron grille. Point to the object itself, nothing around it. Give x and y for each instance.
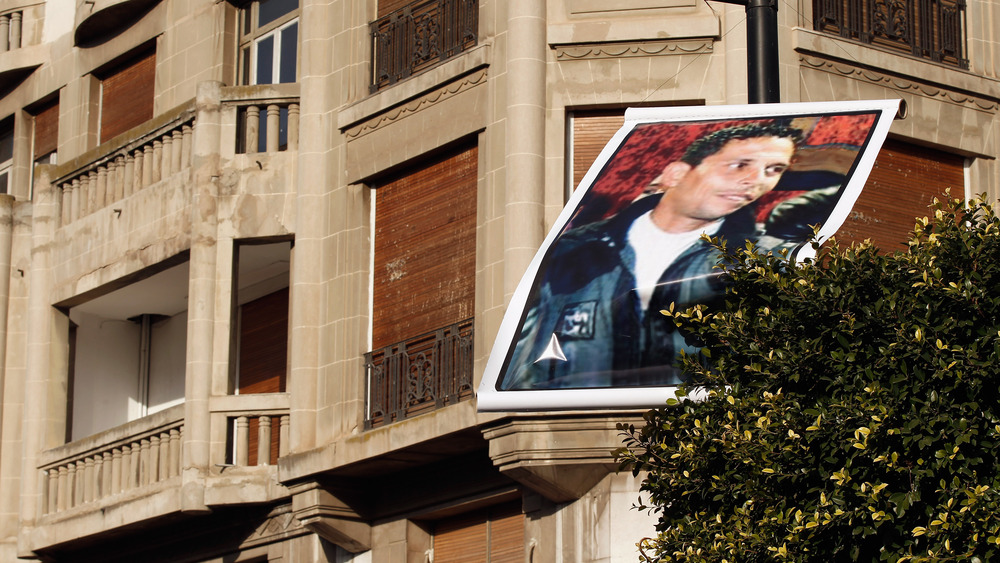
(930, 29)
(419, 375)
(419, 36)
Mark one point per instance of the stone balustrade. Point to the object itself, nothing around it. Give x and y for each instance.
(10, 30)
(117, 169)
(140, 454)
(267, 117)
(253, 427)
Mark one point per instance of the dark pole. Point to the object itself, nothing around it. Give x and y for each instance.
(762, 50)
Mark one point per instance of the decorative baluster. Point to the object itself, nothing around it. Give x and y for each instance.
(283, 435)
(153, 469)
(104, 487)
(62, 502)
(71, 485)
(252, 129)
(175, 154)
(273, 127)
(15, 30)
(167, 142)
(66, 212)
(135, 463)
(293, 127)
(111, 169)
(175, 452)
(92, 205)
(88, 480)
(143, 475)
(157, 161)
(116, 471)
(186, 146)
(120, 174)
(4, 33)
(128, 176)
(164, 469)
(147, 165)
(264, 440)
(52, 494)
(242, 441)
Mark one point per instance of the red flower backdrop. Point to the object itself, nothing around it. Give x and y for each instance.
(636, 165)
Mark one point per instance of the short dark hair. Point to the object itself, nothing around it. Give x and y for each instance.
(714, 141)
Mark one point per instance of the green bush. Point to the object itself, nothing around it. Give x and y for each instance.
(848, 407)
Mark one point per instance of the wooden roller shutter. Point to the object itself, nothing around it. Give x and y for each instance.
(903, 182)
(591, 131)
(386, 7)
(493, 535)
(425, 248)
(127, 95)
(47, 130)
(263, 357)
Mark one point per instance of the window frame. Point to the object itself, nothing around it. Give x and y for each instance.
(251, 35)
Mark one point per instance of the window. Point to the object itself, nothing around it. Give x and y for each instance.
(269, 37)
(6, 153)
(128, 352)
(589, 131)
(127, 92)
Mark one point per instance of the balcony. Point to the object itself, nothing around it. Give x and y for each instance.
(420, 36)
(930, 29)
(419, 375)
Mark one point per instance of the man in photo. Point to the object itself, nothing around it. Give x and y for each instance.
(594, 318)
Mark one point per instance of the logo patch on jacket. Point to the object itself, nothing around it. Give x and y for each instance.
(577, 321)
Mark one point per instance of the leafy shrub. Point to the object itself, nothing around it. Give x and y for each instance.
(849, 407)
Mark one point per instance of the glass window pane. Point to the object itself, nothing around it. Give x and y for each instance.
(289, 46)
(271, 10)
(3, 182)
(6, 146)
(265, 61)
(245, 70)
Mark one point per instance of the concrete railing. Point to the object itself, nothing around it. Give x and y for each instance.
(10, 30)
(132, 161)
(138, 454)
(254, 428)
(266, 116)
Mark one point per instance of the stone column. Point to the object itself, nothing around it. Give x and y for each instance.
(525, 155)
(47, 351)
(195, 460)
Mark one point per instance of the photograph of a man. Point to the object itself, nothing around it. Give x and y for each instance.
(596, 322)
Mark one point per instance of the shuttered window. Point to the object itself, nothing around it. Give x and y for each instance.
(425, 248)
(386, 7)
(903, 182)
(127, 95)
(46, 133)
(591, 130)
(494, 535)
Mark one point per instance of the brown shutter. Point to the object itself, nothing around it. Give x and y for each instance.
(903, 182)
(264, 344)
(461, 539)
(507, 535)
(127, 96)
(425, 248)
(386, 7)
(591, 131)
(47, 130)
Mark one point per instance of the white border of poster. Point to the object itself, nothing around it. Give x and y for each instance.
(589, 206)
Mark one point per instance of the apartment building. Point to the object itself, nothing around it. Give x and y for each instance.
(253, 255)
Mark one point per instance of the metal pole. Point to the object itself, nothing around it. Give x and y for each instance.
(762, 52)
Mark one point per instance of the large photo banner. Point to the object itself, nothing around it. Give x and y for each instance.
(584, 328)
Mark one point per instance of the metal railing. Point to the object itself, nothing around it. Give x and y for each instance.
(419, 375)
(419, 36)
(929, 29)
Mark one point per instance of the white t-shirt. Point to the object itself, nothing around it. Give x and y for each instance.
(655, 250)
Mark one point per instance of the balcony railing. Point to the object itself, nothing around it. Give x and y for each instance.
(419, 36)
(267, 117)
(150, 153)
(419, 375)
(10, 30)
(930, 29)
(94, 469)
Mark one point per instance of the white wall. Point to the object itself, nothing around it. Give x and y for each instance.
(168, 356)
(105, 377)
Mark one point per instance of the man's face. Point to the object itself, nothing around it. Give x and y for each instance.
(735, 176)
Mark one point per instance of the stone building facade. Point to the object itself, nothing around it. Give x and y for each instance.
(253, 255)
